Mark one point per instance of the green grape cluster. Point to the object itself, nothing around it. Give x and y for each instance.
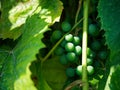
(96, 51)
(69, 50)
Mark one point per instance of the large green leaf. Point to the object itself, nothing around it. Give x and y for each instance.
(54, 73)
(109, 12)
(38, 77)
(14, 14)
(15, 71)
(50, 76)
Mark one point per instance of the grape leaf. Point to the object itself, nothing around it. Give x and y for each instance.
(49, 8)
(52, 72)
(109, 11)
(15, 72)
(109, 14)
(115, 74)
(14, 15)
(38, 77)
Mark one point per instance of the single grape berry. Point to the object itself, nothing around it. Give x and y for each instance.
(63, 59)
(71, 56)
(89, 51)
(69, 37)
(95, 45)
(90, 70)
(92, 54)
(102, 55)
(59, 50)
(66, 26)
(70, 72)
(79, 70)
(93, 30)
(56, 35)
(76, 40)
(89, 61)
(78, 50)
(69, 47)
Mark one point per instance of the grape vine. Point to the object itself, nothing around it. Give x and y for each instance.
(59, 44)
(67, 41)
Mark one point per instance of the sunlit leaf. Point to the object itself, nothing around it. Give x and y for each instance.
(15, 72)
(14, 14)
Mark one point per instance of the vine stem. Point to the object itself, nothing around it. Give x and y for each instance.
(54, 47)
(78, 10)
(84, 44)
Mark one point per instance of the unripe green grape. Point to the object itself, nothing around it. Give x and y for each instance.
(69, 37)
(66, 26)
(78, 50)
(56, 35)
(92, 54)
(79, 70)
(69, 47)
(93, 30)
(95, 45)
(90, 70)
(102, 55)
(89, 61)
(89, 51)
(59, 50)
(63, 59)
(70, 72)
(52, 39)
(76, 40)
(71, 56)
